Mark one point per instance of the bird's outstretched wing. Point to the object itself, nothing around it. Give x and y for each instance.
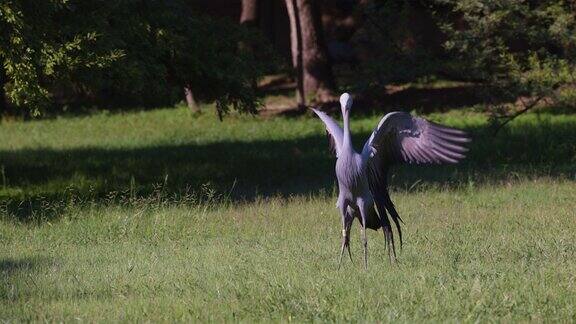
(334, 131)
(402, 138)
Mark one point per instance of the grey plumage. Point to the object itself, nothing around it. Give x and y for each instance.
(362, 177)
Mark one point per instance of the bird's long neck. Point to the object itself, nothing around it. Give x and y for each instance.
(347, 140)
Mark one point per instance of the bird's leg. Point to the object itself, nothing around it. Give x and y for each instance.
(347, 239)
(345, 233)
(365, 243)
(341, 249)
(362, 207)
(345, 244)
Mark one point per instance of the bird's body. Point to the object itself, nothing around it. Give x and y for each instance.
(362, 177)
(349, 172)
(353, 185)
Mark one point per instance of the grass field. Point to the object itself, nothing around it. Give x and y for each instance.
(164, 216)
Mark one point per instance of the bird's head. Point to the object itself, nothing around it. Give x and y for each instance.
(345, 102)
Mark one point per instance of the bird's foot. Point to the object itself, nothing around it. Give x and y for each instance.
(345, 245)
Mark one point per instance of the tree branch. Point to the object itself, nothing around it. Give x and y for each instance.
(527, 107)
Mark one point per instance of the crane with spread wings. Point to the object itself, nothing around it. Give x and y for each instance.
(362, 177)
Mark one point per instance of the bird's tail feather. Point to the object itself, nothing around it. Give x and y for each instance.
(386, 226)
(394, 215)
(373, 219)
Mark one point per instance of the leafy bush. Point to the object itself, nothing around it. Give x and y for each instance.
(129, 50)
(514, 49)
(34, 51)
(520, 48)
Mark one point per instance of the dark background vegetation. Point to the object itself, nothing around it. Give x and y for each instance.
(72, 55)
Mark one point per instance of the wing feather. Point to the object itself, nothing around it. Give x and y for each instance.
(402, 138)
(333, 130)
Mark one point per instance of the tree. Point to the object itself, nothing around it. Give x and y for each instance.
(318, 77)
(249, 19)
(296, 50)
(524, 50)
(34, 50)
(139, 49)
(310, 60)
(190, 101)
(249, 14)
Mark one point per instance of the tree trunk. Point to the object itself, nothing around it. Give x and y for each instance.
(249, 18)
(318, 77)
(309, 53)
(3, 99)
(249, 15)
(190, 100)
(296, 50)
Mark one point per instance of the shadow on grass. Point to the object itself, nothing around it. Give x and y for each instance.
(12, 267)
(41, 183)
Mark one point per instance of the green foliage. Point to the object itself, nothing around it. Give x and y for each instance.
(498, 38)
(517, 48)
(168, 47)
(35, 51)
(132, 50)
(520, 48)
(522, 54)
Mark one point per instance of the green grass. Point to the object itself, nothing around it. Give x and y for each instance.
(96, 155)
(162, 216)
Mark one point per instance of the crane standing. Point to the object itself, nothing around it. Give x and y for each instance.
(362, 177)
